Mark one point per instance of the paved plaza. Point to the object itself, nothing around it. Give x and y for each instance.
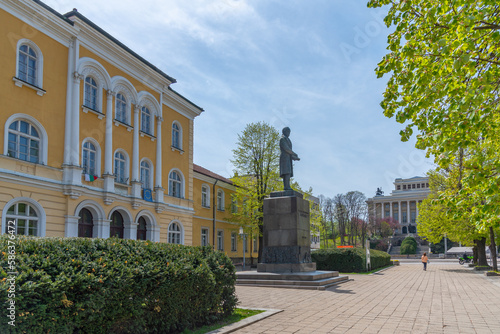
(447, 298)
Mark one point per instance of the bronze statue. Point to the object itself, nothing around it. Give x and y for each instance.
(286, 158)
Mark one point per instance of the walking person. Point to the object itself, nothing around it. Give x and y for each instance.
(425, 259)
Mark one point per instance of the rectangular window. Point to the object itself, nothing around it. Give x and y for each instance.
(220, 240)
(233, 242)
(204, 236)
(398, 187)
(404, 186)
(404, 217)
(255, 248)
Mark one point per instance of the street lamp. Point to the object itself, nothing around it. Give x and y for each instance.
(242, 234)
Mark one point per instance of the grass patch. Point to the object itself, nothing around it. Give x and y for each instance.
(238, 314)
(368, 272)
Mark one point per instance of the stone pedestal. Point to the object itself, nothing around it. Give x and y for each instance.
(287, 244)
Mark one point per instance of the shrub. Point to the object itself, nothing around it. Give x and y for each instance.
(349, 259)
(79, 285)
(408, 248)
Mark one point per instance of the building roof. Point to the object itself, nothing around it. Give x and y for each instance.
(211, 174)
(75, 12)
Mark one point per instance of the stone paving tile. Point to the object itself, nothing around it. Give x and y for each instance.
(447, 298)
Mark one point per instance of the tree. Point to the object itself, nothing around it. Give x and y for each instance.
(256, 162)
(445, 63)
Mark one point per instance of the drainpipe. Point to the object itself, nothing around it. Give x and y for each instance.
(214, 213)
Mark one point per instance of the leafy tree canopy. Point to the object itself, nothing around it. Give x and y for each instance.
(444, 63)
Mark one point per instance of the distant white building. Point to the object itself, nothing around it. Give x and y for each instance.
(401, 204)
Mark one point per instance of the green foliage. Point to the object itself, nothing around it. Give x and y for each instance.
(349, 259)
(409, 246)
(408, 249)
(256, 159)
(444, 62)
(69, 285)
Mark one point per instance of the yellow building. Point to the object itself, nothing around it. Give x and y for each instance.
(95, 142)
(213, 206)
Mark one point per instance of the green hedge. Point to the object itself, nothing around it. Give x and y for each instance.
(349, 259)
(79, 285)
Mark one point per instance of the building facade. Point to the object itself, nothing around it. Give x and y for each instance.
(213, 206)
(95, 142)
(401, 204)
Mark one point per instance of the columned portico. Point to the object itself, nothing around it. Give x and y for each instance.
(403, 203)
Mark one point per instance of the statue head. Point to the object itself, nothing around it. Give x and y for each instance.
(286, 131)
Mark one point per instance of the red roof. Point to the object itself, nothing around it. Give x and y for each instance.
(206, 172)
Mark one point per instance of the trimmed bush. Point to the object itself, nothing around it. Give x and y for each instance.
(349, 259)
(408, 246)
(79, 285)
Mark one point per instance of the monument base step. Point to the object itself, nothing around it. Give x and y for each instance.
(318, 280)
(286, 267)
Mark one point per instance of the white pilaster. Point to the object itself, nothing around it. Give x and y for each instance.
(69, 104)
(101, 228)
(108, 146)
(135, 148)
(158, 179)
(71, 226)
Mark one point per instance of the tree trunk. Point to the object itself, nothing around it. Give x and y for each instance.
(481, 252)
(493, 249)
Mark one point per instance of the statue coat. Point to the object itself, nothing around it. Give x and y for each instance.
(286, 165)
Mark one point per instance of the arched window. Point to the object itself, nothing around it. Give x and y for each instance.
(121, 108)
(89, 158)
(404, 230)
(27, 64)
(145, 175)
(121, 168)
(220, 200)
(176, 136)
(24, 217)
(174, 234)
(145, 120)
(24, 141)
(205, 196)
(174, 184)
(116, 226)
(141, 229)
(90, 94)
(85, 224)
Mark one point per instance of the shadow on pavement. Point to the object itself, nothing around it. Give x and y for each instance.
(338, 289)
(467, 271)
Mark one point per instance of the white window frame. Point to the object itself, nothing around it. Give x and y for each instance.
(180, 233)
(220, 240)
(150, 176)
(98, 92)
(205, 192)
(126, 177)
(43, 144)
(205, 236)
(234, 242)
(177, 132)
(220, 200)
(97, 154)
(181, 185)
(149, 115)
(122, 108)
(36, 206)
(39, 62)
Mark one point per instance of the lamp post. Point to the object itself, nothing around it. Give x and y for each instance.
(242, 234)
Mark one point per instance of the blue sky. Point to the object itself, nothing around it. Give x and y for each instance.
(308, 65)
